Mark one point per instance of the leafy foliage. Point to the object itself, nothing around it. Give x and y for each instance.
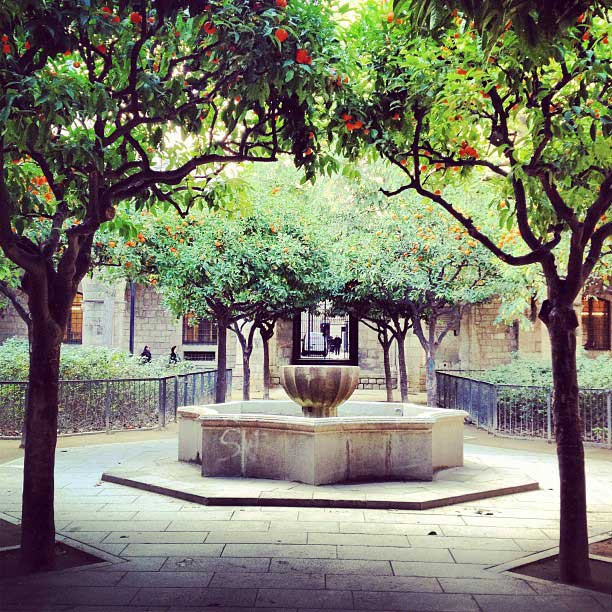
(86, 363)
(592, 373)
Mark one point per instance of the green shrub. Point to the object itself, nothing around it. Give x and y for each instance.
(593, 373)
(88, 363)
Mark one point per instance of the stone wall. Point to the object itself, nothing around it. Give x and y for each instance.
(11, 324)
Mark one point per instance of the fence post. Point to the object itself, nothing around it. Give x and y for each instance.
(549, 416)
(107, 408)
(162, 401)
(176, 396)
(492, 410)
(609, 407)
(185, 396)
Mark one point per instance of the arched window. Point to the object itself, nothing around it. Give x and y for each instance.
(203, 332)
(74, 329)
(596, 324)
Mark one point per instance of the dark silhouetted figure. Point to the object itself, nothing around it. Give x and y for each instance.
(146, 356)
(174, 358)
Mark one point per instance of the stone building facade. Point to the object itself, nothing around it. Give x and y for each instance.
(129, 317)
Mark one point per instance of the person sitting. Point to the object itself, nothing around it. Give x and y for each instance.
(146, 356)
(174, 358)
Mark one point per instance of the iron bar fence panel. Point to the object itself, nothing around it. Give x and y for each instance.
(112, 404)
(521, 410)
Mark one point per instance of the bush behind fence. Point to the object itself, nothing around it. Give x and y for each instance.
(520, 410)
(114, 404)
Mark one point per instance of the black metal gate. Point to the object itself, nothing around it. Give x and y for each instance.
(323, 336)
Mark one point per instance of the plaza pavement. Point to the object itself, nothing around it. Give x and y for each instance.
(171, 556)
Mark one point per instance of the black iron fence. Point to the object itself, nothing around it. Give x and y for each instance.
(114, 404)
(520, 410)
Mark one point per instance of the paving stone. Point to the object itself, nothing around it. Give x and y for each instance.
(312, 551)
(392, 553)
(324, 599)
(460, 542)
(202, 525)
(242, 580)
(389, 528)
(188, 596)
(215, 564)
(166, 579)
(359, 539)
(450, 570)
(51, 594)
(263, 515)
(331, 514)
(137, 564)
(109, 526)
(382, 583)
(257, 537)
(493, 586)
(431, 602)
(72, 578)
(180, 514)
(309, 526)
(468, 531)
(414, 518)
(536, 545)
(490, 557)
(500, 521)
(537, 603)
(156, 537)
(323, 566)
(225, 609)
(157, 550)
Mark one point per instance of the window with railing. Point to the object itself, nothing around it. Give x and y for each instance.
(74, 329)
(596, 324)
(199, 332)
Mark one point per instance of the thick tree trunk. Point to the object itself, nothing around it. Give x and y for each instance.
(430, 378)
(266, 365)
(561, 322)
(37, 520)
(221, 386)
(401, 362)
(246, 375)
(387, 366)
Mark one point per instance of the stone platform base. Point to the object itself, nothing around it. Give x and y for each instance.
(475, 480)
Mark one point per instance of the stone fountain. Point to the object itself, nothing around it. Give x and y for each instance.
(319, 437)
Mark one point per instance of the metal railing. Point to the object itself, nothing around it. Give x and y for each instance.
(521, 410)
(113, 404)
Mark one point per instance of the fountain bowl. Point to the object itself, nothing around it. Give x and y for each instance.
(319, 389)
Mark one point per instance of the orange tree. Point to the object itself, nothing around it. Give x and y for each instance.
(243, 272)
(138, 100)
(538, 132)
(400, 275)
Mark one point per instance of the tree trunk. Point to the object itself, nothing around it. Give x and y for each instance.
(561, 322)
(430, 378)
(266, 365)
(221, 386)
(246, 375)
(401, 362)
(387, 365)
(37, 520)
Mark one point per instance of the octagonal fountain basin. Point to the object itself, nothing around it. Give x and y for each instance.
(367, 441)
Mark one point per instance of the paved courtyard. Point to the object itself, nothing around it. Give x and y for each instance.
(170, 555)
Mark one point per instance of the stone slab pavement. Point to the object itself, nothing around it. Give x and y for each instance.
(170, 555)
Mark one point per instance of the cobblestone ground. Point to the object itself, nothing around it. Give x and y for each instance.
(173, 555)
